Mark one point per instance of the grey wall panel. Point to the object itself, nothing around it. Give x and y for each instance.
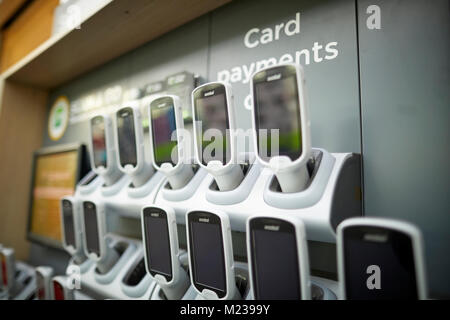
(405, 122)
(184, 49)
(114, 73)
(332, 83)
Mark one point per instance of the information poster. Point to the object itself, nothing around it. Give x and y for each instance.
(55, 177)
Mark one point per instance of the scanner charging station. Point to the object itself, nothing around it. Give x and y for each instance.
(116, 269)
(321, 209)
(328, 192)
(329, 195)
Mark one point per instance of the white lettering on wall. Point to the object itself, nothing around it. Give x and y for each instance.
(317, 54)
(374, 20)
(255, 37)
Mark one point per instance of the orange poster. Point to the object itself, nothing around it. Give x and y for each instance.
(55, 177)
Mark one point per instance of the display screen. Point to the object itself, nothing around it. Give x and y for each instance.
(165, 145)
(274, 260)
(157, 242)
(68, 222)
(211, 114)
(55, 176)
(208, 253)
(99, 141)
(389, 251)
(40, 284)
(91, 228)
(277, 107)
(58, 290)
(126, 134)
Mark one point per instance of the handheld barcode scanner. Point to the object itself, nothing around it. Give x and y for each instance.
(95, 230)
(214, 127)
(102, 149)
(159, 232)
(168, 149)
(279, 103)
(72, 228)
(211, 261)
(278, 258)
(380, 259)
(130, 146)
(8, 265)
(61, 290)
(44, 290)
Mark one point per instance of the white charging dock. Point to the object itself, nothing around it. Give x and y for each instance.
(237, 195)
(110, 285)
(333, 194)
(242, 284)
(24, 287)
(85, 186)
(158, 293)
(82, 267)
(109, 191)
(125, 250)
(146, 188)
(314, 190)
(324, 290)
(120, 198)
(136, 281)
(187, 191)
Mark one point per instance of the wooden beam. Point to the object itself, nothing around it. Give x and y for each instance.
(8, 8)
(22, 121)
(29, 30)
(118, 28)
